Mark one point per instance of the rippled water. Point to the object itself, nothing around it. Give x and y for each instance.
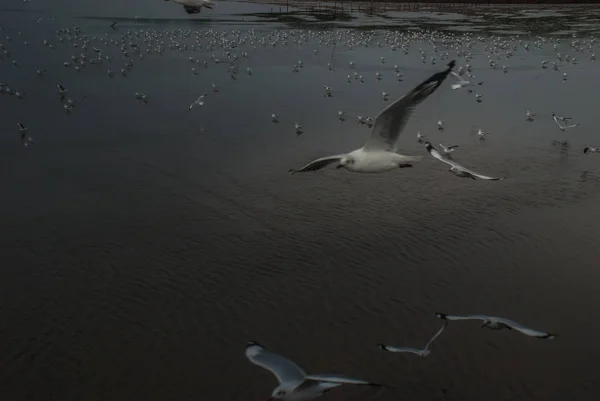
(144, 244)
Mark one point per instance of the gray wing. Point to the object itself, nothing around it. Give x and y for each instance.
(452, 147)
(391, 348)
(339, 379)
(436, 335)
(525, 330)
(433, 152)
(284, 369)
(318, 164)
(391, 120)
(467, 317)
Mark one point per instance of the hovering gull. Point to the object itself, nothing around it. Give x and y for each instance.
(448, 149)
(420, 138)
(461, 82)
(342, 115)
(456, 168)
(589, 149)
(294, 383)
(530, 116)
(198, 102)
(420, 352)
(558, 120)
(25, 139)
(440, 125)
(274, 118)
(498, 323)
(481, 134)
(378, 154)
(194, 6)
(299, 129)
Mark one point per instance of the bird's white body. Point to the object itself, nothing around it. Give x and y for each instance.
(377, 161)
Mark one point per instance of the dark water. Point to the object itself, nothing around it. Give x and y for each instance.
(144, 244)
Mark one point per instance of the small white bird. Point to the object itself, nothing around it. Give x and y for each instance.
(41, 72)
(249, 71)
(385, 96)
(141, 96)
(481, 134)
(299, 129)
(530, 116)
(499, 323)
(478, 97)
(420, 138)
(378, 76)
(456, 168)
(25, 139)
(589, 149)
(440, 125)
(328, 91)
(420, 352)
(294, 383)
(565, 120)
(449, 149)
(61, 91)
(274, 118)
(341, 115)
(198, 102)
(215, 88)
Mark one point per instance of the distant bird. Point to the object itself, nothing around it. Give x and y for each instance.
(456, 168)
(420, 138)
(141, 96)
(274, 118)
(40, 72)
(481, 134)
(461, 83)
(328, 90)
(294, 383)
(198, 102)
(440, 125)
(25, 139)
(420, 352)
(449, 149)
(341, 116)
(530, 116)
(499, 323)
(194, 6)
(589, 149)
(61, 91)
(299, 129)
(564, 120)
(385, 96)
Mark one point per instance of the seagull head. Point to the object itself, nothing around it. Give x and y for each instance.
(345, 161)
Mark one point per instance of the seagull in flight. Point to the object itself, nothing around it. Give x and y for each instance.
(499, 323)
(420, 352)
(449, 149)
(461, 83)
(198, 102)
(61, 91)
(294, 383)
(378, 154)
(25, 139)
(456, 168)
(560, 120)
(589, 149)
(530, 116)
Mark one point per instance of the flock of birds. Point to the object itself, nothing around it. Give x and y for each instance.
(296, 385)
(379, 153)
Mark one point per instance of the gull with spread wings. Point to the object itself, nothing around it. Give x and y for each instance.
(499, 323)
(456, 168)
(294, 383)
(379, 152)
(420, 352)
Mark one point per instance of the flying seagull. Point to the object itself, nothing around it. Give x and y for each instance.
(198, 102)
(449, 149)
(560, 120)
(194, 6)
(589, 149)
(457, 168)
(420, 352)
(294, 383)
(378, 154)
(461, 83)
(499, 323)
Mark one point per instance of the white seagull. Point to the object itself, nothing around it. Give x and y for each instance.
(61, 91)
(420, 352)
(194, 6)
(294, 383)
(589, 149)
(481, 134)
(448, 149)
(378, 154)
(456, 168)
(198, 102)
(421, 138)
(530, 116)
(461, 83)
(498, 323)
(565, 120)
(440, 125)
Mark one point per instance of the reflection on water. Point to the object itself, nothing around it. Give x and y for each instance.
(145, 243)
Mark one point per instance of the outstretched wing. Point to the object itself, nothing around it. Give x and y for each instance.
(526, 330)
(436, 335)
(391, 120)
(433, 152)
(284, 369)
(339, 379)
(318, 164)
(467, 317)
(392, 348)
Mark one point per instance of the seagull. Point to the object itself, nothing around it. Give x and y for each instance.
(342, 115)
(478, 97)
(420, 352)
(328, 90)
(194, 6)
(448, 149)
(294, 383)
(385, 96)
(558, 120)
(498, 323)
(198, 102)
(481, 134)
(378, 154)
(274, 118)
(40, 72)
(141, 96)
(461, 82)
(440, 125)
(589, 149)
(61, 91)
(530, 116)
(25, 139)
(299, 129)
(456, 168)
(420, 138)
